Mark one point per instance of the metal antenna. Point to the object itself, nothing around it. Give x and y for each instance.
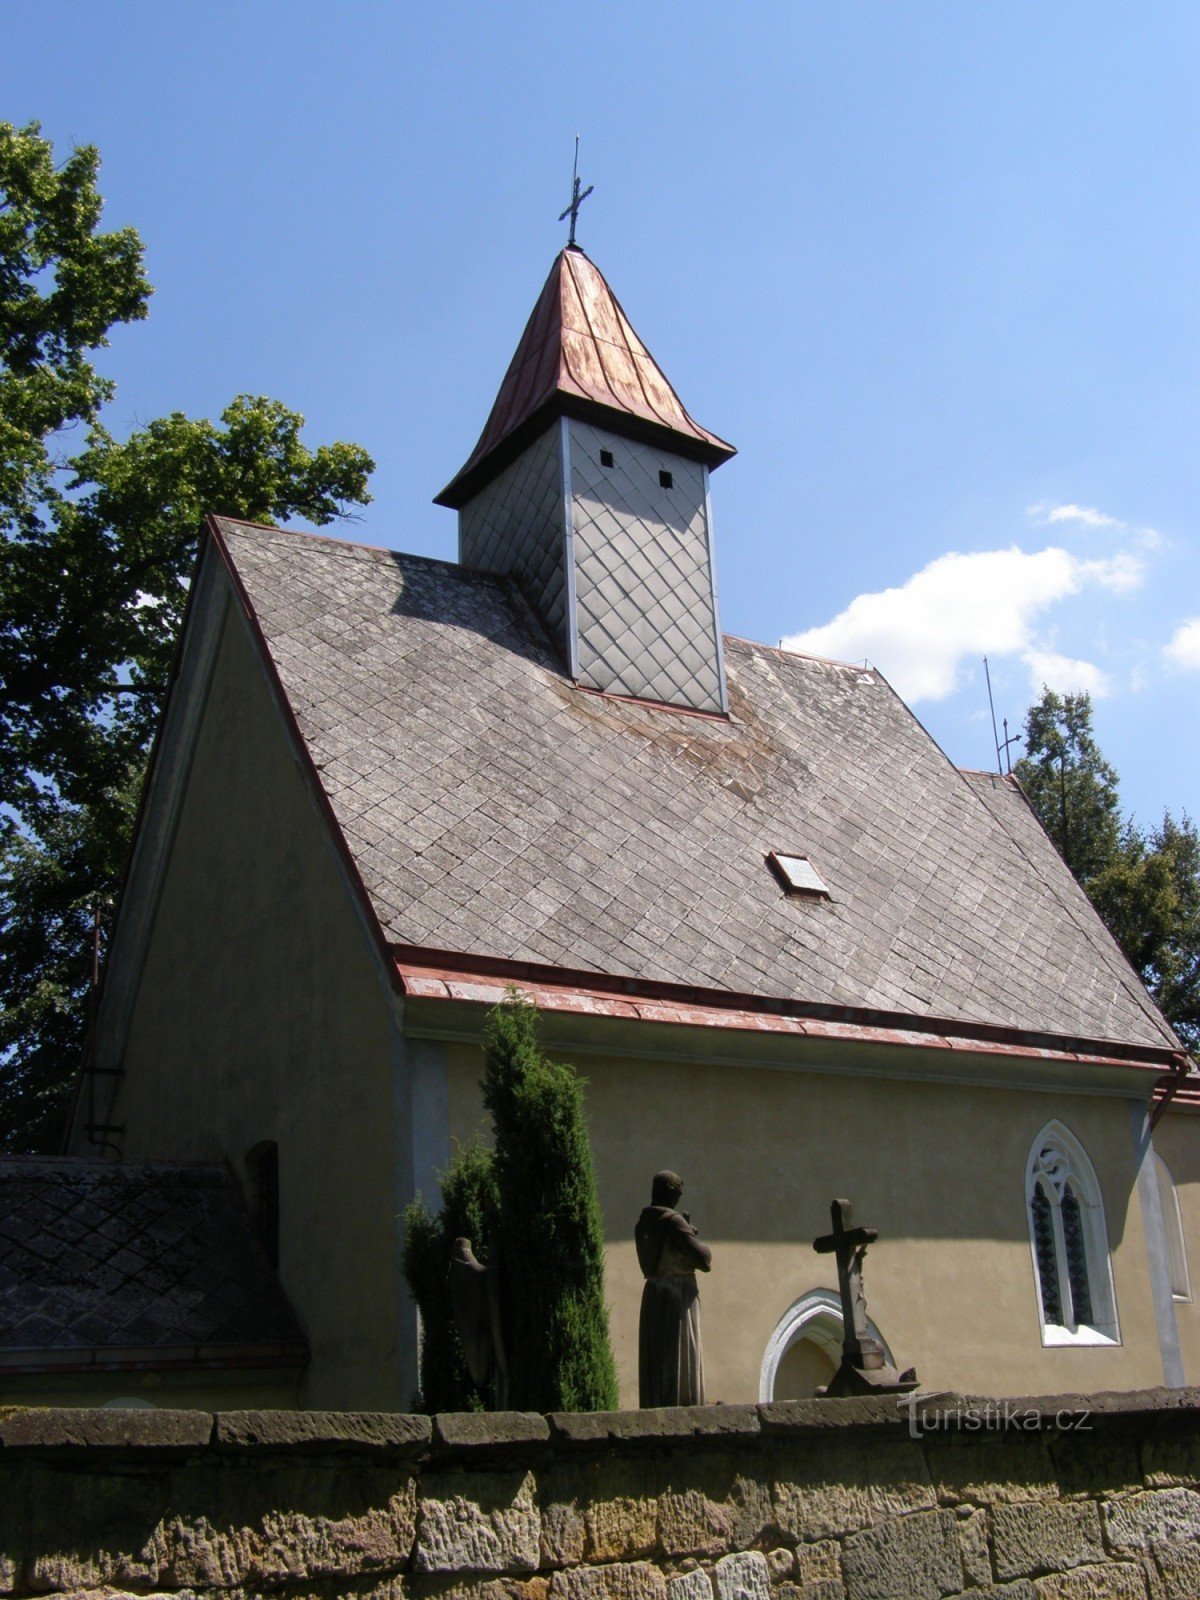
(577, 199)
(992, 709)
(1003, 759)
(1004, 744)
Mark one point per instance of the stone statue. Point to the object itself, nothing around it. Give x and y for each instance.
(475, 1304)
(670, 1360)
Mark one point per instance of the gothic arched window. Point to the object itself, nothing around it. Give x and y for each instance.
(1069, 1239)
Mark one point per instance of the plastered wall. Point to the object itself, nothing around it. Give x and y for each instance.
(1177, 1140)
(261, 1015)
(938, 1168)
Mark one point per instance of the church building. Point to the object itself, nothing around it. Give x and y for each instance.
(795, 953)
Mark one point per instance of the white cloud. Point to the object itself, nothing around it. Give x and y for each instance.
(1087, 515)
(1121, 572)
(1184, 647)
(1047, 669)
(961, 607)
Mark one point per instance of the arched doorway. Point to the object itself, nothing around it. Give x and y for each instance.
(805, 1349)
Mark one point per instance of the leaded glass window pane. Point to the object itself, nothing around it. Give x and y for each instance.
(1047, 1265)
(1077, 1267)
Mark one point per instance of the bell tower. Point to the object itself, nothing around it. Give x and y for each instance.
(589, 486)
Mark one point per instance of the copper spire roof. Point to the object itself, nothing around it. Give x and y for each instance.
(579, 355)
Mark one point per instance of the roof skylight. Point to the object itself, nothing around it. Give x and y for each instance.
(797, 875)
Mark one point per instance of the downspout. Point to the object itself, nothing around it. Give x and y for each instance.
(1170, 1087)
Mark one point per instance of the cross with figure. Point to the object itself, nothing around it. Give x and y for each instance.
(848, 1246)
(865, 1367)
(577, 199)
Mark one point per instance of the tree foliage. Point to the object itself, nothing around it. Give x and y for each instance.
(550, 1232)
(469, 1205)
(1070, 785)
(97, 550)
(530, 1207)
(63, 285)
(1145, 883)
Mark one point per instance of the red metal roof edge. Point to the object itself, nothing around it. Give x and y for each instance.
(308, 765)
(426, 970)
(652, 705)
(1182, 1093)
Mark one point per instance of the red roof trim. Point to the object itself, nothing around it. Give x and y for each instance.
(654, 705)
(448, 975)
(1177, 1093)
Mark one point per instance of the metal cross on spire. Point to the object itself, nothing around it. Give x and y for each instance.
(577, 199)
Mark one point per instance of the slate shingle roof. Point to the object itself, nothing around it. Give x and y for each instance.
(494, 809)
(126, 1265)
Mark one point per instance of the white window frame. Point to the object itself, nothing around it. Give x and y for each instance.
(1172, 1221)
(1057, 1158)
(817, 1317)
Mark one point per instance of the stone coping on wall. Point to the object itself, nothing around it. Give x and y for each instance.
(475, 1436)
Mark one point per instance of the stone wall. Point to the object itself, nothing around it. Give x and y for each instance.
(1073, 1498)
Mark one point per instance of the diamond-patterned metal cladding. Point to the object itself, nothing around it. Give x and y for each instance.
(646, 621)
(515, 525)
(146, 1255)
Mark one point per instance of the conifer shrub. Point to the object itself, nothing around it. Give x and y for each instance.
(529, 1206)
(468, 1211)
(548, 1225)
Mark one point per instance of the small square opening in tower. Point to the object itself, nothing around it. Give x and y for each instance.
(606, 458)
(665, 479)
(798, 875)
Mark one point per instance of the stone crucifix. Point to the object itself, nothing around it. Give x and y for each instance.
(848, 1246)
(865, 1368)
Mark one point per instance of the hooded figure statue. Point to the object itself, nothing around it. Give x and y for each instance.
(670, 1360)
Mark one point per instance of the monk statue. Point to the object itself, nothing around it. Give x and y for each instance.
(475, 1307)
(670, 1361)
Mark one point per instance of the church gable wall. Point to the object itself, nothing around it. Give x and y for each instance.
(262, 1015)
(939, 1168)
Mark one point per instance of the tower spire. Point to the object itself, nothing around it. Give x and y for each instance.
(577, 199)
(589, 487)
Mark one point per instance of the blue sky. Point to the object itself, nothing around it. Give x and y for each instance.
(932, 267)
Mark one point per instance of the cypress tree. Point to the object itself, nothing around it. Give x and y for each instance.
(549, 1229)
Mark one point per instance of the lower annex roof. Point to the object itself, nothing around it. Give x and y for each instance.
(120, 1266)
(492, 808)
